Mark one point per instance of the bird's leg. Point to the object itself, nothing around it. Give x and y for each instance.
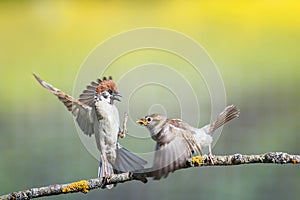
(210, 156)
(102, 171)
(106, 174)
(124, 130)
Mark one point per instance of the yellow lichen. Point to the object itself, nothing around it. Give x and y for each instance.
(295, 161)
(81, 186)
(197, 160)
(13, 197)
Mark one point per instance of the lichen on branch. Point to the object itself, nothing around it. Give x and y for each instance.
(85, 186)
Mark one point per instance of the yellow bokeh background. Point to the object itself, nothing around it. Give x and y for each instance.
(255, 45)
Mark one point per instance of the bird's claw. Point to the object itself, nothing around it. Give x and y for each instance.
(210, 158)
(122, 134)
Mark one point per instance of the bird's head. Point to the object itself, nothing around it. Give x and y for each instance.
(107, 90)
(153, 122)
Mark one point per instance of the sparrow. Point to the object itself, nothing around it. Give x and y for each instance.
(96, 114)
(177, 141)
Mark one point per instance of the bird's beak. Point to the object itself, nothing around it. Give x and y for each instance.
(115, 96)
(142, 122)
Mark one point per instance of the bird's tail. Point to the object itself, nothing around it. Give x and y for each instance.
(127, 161)
(229, 113)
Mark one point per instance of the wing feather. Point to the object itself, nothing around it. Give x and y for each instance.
(84, 114)
(174, 149)
(88, 94)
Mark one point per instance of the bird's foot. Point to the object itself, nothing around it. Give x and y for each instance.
(210, 158)
(122, 134)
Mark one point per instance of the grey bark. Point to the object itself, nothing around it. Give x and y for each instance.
(85, 186)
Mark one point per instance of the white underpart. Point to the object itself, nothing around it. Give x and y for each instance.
(109, 128)
(202, 137)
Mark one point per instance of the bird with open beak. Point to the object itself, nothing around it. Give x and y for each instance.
(96, 114)
(177, 141)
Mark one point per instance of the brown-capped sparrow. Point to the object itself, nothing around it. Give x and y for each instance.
(177, 141)
(96, 114)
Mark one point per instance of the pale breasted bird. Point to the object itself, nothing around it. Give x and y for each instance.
(96, 114)
(177, 141)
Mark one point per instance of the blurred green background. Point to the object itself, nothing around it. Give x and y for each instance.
(255, 45)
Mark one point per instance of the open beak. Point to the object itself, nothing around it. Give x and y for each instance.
(142, 122)
(115, 96)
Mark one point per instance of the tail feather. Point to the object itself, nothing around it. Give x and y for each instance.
(127, 161)
(122, 164)
(229, 113)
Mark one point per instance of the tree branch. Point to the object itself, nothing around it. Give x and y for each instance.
(85, 186)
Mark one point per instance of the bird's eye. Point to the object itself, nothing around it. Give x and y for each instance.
(149, 119)
(110, 91)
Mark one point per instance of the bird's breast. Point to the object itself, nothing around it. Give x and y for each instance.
(109, 123)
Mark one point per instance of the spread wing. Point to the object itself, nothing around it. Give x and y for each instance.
(87, 96)
(174, 149)
(82, 110)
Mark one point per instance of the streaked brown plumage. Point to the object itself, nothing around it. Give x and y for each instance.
(177, 141)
